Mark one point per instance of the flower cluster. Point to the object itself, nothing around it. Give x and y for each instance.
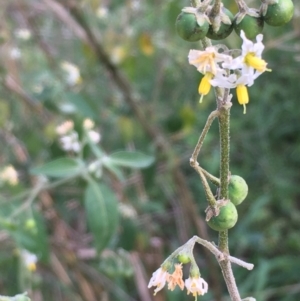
(69, 138)
(72, 73)
(194, 284)
(223, 71)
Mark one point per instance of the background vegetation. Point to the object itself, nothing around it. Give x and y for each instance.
(136, 85)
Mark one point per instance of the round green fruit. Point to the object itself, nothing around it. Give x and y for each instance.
(188, 28)
(252, 26)
(224, 30)
(237, 190)
(183, 258)
(280, 13)
(226, 219)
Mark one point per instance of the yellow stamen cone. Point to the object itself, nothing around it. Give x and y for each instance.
(242, 96)
(255, 62)
(205, 86)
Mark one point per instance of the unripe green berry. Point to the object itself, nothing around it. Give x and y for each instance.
(224, 30)
(188, 28)
(183, 258)
(226, 219)
(252, 26)
(237, 189)
(279, 13)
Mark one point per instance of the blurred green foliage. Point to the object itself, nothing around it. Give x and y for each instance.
(154, 203)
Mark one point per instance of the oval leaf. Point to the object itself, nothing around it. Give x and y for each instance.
(131, 159)
(60, 168)
(101, 208)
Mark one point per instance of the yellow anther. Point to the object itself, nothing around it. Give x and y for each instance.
(255, 62)
(204, 86)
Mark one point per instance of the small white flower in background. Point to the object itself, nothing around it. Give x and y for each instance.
(102, 12)
(70, 142)
(15, 53)
(94, 136)
(23, 34)
(72, 73)
(196, 286)
(29, 260)
(9, 175)
(88, 124)
(127, 210)
(65, 127)
(158, 279)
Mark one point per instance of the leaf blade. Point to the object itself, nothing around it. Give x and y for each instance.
(60, 168)
(131, 159)
(101, 208)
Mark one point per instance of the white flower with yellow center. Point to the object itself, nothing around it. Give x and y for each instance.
(158, 279)
(250, 60)
(206, 63)
(196, 286)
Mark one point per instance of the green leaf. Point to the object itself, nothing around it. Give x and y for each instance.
(101, 208)
(60, 168)
(131, 159)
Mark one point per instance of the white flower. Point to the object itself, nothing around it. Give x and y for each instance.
(158, 279)
(70, 142)
(9, 175)
(15, 53)
(240, 82)
(207, 60)
(29, 260)
(23, 34)
(250, 60)
(102, 12)
(88, 124)
(233, 80)
(94, 136)
(72, 73)
(206, 63)
(196, 286)
(65, 127)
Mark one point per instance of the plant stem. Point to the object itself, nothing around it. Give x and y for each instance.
(224, 128)
(209, 121)
(210, 177)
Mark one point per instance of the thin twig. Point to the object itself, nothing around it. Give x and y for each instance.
(199, 144)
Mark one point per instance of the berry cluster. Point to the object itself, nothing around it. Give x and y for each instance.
(216, 23)
(228, 216)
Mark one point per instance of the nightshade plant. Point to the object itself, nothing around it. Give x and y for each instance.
(223, 69)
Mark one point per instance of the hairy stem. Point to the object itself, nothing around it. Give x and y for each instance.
(207, 126)
(224, 128)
